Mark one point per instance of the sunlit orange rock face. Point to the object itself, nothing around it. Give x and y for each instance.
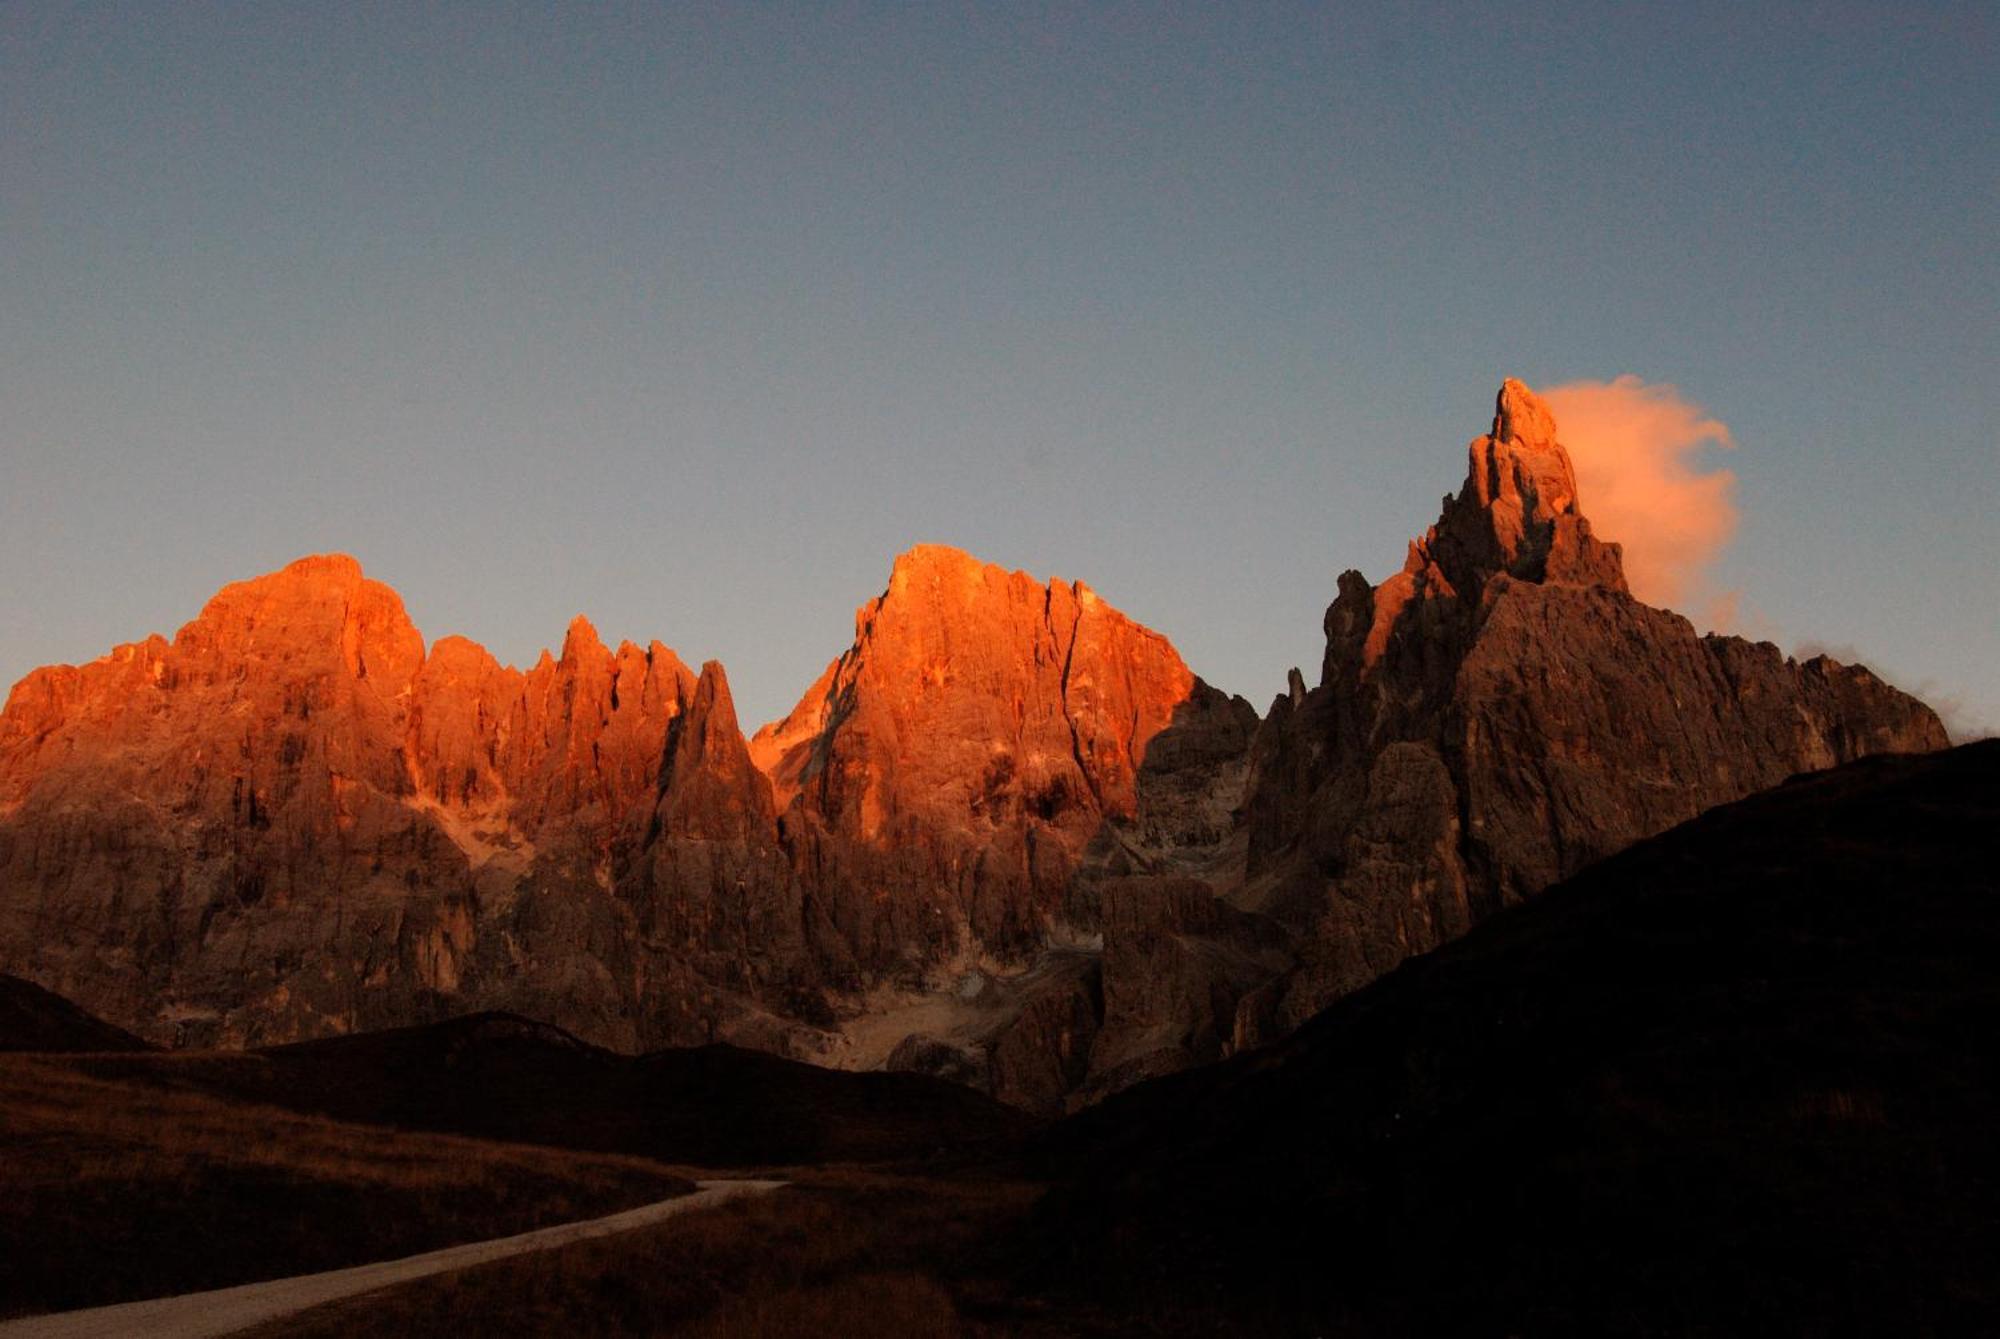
(943, 776)
(292, 820)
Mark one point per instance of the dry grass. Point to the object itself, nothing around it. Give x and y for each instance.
(111, 1191)
(909, 1306)
(837, 1254)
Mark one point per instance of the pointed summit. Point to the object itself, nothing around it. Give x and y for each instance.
(710, 790)
(582, 640)
(709, 730)
(1503, 711)
(1517, 512)
(1516, 516)
(1520, 416)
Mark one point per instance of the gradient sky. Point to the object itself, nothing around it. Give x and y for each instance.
(691, 317)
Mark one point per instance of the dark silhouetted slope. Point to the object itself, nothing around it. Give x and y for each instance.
(33, 1019)
(500, 1076)
(1741, 1078)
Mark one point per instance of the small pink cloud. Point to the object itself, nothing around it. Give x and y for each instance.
(1638, 448)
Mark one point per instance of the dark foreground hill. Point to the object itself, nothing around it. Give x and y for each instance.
(34, 1019)
(1741, 1078)
(499, 1076)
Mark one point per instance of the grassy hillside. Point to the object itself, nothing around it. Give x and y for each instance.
(112, 1191)
(848, 1255)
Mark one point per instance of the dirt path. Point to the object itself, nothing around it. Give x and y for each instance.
(227, 1310)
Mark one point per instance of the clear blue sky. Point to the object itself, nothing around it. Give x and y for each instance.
(691, 317)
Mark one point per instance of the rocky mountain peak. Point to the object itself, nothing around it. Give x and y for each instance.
(1518, 512)
(1519, 474)
(713, 702)
(1517, 515)
(925, 560)
(582, 644)
(315, 582)
(709, 788)
(304, 614)
(1520, 417)
(947, 770)
(1502, 711)
(960, 667)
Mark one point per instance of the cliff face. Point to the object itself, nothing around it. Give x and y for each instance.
(1501, 713)
(291, 820)
(1007, 836)
(944, 775)
(205, 827)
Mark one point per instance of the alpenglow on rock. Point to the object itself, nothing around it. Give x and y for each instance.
(291, 821)
(1008, 836)
(945, 773)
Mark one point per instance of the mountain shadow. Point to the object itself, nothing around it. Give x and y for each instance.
(1741, 1078)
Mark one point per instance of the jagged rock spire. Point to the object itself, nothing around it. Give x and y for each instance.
(1517, 516)
(1518, 512)
(1520, 416)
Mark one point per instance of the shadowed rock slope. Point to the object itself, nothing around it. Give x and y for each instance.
(1740, 1079)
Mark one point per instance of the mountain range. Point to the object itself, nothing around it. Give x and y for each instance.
(1008, 837)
